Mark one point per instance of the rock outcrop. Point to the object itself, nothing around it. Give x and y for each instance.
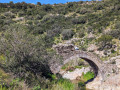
(112, 83)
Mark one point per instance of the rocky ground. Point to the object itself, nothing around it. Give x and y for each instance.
(112, 83)
(74, 74)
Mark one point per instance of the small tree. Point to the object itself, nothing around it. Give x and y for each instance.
(25, 54)
(38, 3)
(70, 4)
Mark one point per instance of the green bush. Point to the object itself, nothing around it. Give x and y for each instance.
(55, 30)
(63, 84)
(8, 21)
(117, 7)
(69, 5)
(81, 85)
(105, 40)
(24, 54)
(37, 30)
(117, 25)
(115, 33)
(79, 20)
(38, 17)
(81, 33)
(67, 34)
(47, 8)
(36, 88)
(98, 7)
(88, 76)
(82, 11)
(21, 13)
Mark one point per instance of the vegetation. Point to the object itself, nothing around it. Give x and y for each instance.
(63, 84)
(73, 64)
(88, 76)
(81, 85)
(104, 40)
(28, 31)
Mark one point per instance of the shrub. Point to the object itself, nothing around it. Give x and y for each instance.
(104, 40)
(8, 22)
(117, 7)
(67, 34)
(1, 22)
(36, 88)
(55, 30)
(63, 84)
(21, 14)
(89, 29)
(2, 17)
(115, 33)
(47, 8)
(29, 12)
(69, 5)
(38, 17)
(38, 30)
(98, 7)
(79, 20)
(38, 3)
(81, 84)
(81, 33)
(24, 54)
(46, 18)
(82, 11)
(30, 22)
(113, 51)
(117, 25)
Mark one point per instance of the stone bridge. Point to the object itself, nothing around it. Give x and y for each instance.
(69, 53)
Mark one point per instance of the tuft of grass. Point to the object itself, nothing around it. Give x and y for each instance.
(3, 76)
(81, 85)
(79, 66)
(64, 67)
(36, 88)
(88, 76)
(2, 59)
(63, 84)
(52, 76)
(2, 87)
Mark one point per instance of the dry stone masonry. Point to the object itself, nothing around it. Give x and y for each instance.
(68, 53)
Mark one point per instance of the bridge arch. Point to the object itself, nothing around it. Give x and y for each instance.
(69, 53)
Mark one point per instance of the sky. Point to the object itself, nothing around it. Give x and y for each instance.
(42, 1)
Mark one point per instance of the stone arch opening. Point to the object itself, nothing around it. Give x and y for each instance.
(93, 65)
(95, 69)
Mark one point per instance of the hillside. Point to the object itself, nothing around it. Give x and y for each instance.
(28, 33)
